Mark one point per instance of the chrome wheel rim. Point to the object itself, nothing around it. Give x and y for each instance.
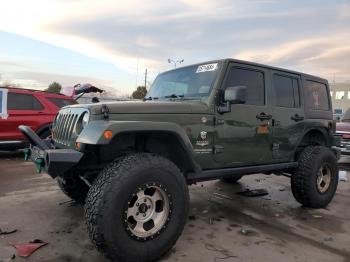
(148, 211)
(324, 177)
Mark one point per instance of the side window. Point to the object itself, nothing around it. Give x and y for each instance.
(23, 102)
(287, 91)
(59, 102)
(253, 80)
(316, 96)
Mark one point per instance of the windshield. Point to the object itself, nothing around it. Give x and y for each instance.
(192, 82)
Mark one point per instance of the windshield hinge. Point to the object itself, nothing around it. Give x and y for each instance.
(105, 111)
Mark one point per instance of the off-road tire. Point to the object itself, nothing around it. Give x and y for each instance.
(74, 187)
(108, 199)
(45, 134)
(304, 179)
(231, 180)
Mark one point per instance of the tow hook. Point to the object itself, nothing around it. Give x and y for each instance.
(39, 164)
(27, 153)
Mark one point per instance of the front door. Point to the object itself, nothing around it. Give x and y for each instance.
(243, 136)
(288, 115)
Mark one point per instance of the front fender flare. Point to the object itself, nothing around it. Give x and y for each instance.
(93, 133)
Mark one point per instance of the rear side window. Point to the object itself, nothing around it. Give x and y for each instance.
(23, 102)
(59, 102)
(287, 91)
(253, 80)
(316, 96)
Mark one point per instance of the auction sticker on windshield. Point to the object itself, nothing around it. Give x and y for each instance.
(206, 68)
(3, 103)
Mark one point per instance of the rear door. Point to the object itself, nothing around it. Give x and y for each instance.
(23, 109)
(288, 114)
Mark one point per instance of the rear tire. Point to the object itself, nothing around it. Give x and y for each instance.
(315, 180)
(74, 187)
(231, 180)
(121, 226)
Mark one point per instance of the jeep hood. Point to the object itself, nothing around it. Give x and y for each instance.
(150, 107)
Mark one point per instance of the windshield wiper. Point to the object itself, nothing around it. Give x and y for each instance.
(174, 96)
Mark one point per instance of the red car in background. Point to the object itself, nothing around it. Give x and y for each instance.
(343, 131)
(36, 109)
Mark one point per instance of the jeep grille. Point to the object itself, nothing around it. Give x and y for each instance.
(65, 124)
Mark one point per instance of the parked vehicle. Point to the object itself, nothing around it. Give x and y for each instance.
(343, 131)
(131, 162)
(33, 108)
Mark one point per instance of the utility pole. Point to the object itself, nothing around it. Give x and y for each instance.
(137, 71)
(146, 78)
(178, 61)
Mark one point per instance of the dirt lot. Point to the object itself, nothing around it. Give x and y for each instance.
(223, 226)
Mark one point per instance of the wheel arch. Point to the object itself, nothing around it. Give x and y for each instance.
(313, 137)
(163, 138)
(316, 136)
(43, 128)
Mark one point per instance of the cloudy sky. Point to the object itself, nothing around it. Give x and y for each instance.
(103, 41)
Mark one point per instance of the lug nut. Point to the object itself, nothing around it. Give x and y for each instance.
(137, 204)
(144, 214)
(145, 200)
(137, 213)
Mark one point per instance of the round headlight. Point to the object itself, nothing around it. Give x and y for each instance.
(82, 122)
(85, 119)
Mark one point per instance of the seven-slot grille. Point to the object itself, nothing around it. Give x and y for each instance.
(65, 125)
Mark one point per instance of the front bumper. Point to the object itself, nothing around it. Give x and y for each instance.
(55, 162)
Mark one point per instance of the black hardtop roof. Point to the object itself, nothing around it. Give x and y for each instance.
(276, 68)
(243, 62)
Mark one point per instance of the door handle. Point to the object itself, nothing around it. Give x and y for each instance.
(297, 118)
(263, 116)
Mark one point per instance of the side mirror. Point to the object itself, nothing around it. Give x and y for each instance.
(235, 94)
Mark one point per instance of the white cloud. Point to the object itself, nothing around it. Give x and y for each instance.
(326, 56)
(269, 31)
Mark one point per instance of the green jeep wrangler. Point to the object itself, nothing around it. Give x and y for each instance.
(131, 162)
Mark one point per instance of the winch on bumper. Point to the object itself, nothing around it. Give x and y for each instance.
(53, 161)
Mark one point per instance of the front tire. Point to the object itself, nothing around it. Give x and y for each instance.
(137, 208)
(45, 134)
(315, 180)
(73, 187)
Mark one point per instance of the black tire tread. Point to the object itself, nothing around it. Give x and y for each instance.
(301, 183)
(75, 189)
(118, 172)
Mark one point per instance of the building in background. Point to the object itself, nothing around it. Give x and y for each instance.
(340, 93)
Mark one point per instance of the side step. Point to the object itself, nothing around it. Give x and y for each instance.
(229, 172)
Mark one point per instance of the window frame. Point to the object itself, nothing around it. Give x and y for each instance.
(52, 101)
(292, 77)
(329, 99)
(343, 93)
(247, 67)
(33, 97)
